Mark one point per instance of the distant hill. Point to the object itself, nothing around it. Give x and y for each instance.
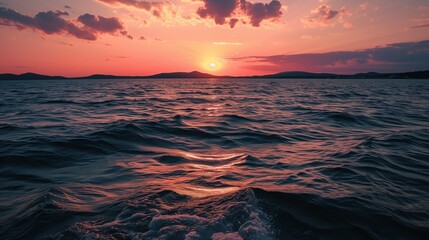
(369, 75)
(28, 76)
(102, 76)
(417, 75)
(300, 75)
(195, 74)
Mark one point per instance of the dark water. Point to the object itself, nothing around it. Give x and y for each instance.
(214, 159)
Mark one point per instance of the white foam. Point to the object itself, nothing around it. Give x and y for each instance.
(237, 212)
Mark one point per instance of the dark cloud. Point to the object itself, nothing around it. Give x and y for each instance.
(218, 10)
(9, 17)
(233, 22)
(396, 57)
(260, 11)
(51, 22)
(67, 7)
(100, 24)
(231, 11)
(48, 22)
(156, 8)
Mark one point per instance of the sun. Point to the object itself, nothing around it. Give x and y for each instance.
(212, 65)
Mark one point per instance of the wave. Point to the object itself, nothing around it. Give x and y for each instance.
(65, 102)
(249, 213)
(223, 159)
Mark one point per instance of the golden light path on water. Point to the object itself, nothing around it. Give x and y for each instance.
(198, 166)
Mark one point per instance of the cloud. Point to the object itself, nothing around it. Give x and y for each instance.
(48, 22)
(218, 10)
(233, 22)
(423, 20)
(363, 6)
(51, 22)
(103, 25)
(409, 56)
(232, 11)
(66, 44)
(323, 16)
(420, 23)
(222, 12)
(228, 43)
(260, 11)
(424, 25)
(67, 7)
(157, 9)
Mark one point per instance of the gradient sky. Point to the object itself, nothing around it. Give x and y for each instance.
(223, 37)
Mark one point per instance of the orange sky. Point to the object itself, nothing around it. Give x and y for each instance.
(185, 35)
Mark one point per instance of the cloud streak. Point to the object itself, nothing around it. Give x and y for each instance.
(409, 56)
(420, 23)
(87, 26)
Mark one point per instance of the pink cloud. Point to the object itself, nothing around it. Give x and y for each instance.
(324, 16)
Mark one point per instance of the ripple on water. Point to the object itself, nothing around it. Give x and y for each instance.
(214, 159)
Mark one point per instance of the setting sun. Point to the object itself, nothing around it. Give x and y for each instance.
(212, 65)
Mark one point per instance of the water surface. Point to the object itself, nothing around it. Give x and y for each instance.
(214, 159)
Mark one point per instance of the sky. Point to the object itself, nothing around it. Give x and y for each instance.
(223, 37)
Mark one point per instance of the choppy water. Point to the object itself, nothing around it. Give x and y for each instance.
(214, 159)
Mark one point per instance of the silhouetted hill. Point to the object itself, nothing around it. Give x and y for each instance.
(195, 74)
(407, 75)
(28, 76)
(103, 76)
(300, 75)
(100, 76)
(369, 75)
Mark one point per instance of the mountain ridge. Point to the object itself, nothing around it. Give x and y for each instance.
(197, 74)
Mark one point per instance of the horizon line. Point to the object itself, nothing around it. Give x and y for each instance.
(207, 75)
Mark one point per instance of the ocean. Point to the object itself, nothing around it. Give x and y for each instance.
(214, 159)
